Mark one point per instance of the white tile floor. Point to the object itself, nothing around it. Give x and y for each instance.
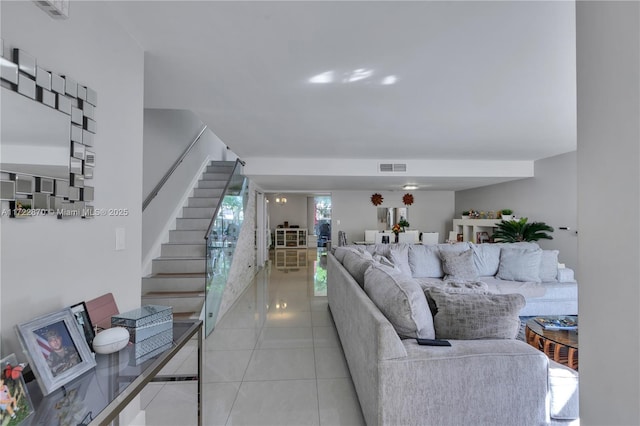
(266, 363)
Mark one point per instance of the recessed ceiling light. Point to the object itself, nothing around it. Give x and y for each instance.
(390, 79)
(325, 77)
(410, 187)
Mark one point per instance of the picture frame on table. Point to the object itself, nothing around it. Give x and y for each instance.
(57, 350)
(84, 323)
(15, 402)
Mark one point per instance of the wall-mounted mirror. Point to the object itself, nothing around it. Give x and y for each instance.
(48, 121)
(35, 137)
(389, 216)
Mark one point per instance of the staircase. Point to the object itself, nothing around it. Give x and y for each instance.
(178, 276)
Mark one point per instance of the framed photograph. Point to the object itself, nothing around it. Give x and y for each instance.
(57, 350)
(84, 323)
(15, 403)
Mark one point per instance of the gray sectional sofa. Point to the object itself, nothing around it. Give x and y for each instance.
(486, 381)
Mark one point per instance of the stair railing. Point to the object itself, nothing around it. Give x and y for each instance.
(221, 238)
(172, 169)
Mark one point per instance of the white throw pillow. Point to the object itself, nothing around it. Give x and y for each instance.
(399, 255)
(549, 265)
(487, 258)
(520, 264)
(401, 300)
(424, 261)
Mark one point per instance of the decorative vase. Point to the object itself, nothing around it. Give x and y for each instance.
(465, 216)
(396, 238)
(507, 217)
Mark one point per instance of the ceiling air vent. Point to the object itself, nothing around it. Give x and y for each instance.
(392, 167)
(58, 9)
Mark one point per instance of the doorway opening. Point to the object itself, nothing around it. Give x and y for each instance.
(322, 220)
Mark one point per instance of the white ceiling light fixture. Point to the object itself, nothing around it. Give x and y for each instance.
(410, 187)
(281, 200)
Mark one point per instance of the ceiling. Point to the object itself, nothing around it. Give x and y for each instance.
(303, 90)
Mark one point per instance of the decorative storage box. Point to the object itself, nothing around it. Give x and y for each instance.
(150, 347)
(145, 322)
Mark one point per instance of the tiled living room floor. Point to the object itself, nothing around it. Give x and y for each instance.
(273, 359)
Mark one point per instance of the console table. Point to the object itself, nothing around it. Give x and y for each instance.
(99, 396)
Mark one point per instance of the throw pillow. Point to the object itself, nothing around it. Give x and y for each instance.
(401, 300)
(459, 266)
(399, 255)
(356, 264)
(487, 258)
(468, 316)
(549, 265)
(340, 252)
(459, 287)
(424, 261)
(384, 261)
(520, 264)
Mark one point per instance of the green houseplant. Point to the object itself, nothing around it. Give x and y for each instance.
(512, 231)
(506, 214)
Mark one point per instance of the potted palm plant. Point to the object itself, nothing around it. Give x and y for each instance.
(513, 231)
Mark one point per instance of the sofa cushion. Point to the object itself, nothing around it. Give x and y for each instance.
(399, 255)
(340, 252)
(400, 298)
(520, 264)
(549, 265)
(459, 266)
(453, 287)
(487, 258)
(356, 264)
(467, 316)
(424, 261)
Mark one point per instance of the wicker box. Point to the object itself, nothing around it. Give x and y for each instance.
(145, 322)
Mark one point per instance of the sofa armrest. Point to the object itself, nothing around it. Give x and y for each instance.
(479, 382)
(565, 275)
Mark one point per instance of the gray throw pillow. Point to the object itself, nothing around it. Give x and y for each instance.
(401, 300)
(549, 265)
(459, 287)
(340, 252)
(520, 264)
(469, 316)
(399, 255)
(459, 266)
(487, 258)
(356, 264)
(424, 261)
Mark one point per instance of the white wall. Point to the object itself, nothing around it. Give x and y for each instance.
(167, 133)
(294, 211)
(353, 212)
(46, 263)
(608, 58)
(550, 196)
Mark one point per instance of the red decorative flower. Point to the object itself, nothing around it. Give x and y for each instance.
(407, 199)
(376, 199)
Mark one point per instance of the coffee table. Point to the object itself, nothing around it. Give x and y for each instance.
(559, 345)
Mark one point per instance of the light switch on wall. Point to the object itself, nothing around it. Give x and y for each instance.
(120, 239)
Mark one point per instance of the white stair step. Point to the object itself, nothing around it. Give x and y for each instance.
(183, 250)
(178, 265)
(192, 224)
(217, 166)
(203, 202)
(218, 175)
(185, 303)
(208, 192)
(198, 212)
(212, 184)
(173, 283)
(186, 237)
